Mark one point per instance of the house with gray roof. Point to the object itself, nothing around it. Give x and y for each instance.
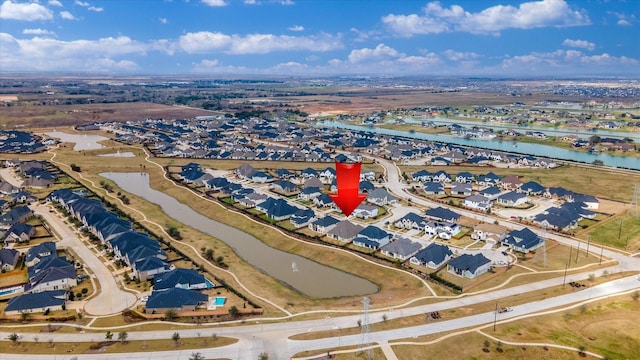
(381, 197)
(444, 214)
(345, 231)
(513, 198)
(458, 188)
(19, 232)
(401, 249)
(469, 266)
(433, 188)
(365, 211)
(477, 202)
(433, 256)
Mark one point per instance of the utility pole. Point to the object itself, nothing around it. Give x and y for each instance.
(588, 242)
(495, 318)
(601, 250)
(570, 252)
(577, 253)
(564, 279)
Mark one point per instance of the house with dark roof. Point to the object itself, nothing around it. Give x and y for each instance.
(559, 193)
(283, 186)
(36, 302)
(401, 248)
(309, 193)
(323, 200)
(441, 176)
(463, 189)
(180, 278)
(8, 259)
(302, 218)
(464, 177)
(441, 213)
(52, 278)
(38, 252)
(523, 240)
(469, 266)
(174, 298)
(433, 188)
(245, 171)
(372, 237)
(285, 174)
(309, 173)
(323, 225)
(433, 256)
(532, 188)
(366, 186)
(490, 192)
(513, 198)
(421, 176)
(19, 232)
(147, 267)
(18, 214)
(489, 179)
(277, 209)
(344, 231)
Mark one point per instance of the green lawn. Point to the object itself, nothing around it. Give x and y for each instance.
(621, 232)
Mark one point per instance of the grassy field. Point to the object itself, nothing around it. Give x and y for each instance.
(44, 347)
(622, 232)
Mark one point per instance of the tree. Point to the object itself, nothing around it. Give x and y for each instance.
(75, 168)
(635, 296)
(208, 254)
(196, 356)
(486, 344)
(499, 346)
(24, 316)
(234, 312)
(170, 314)
(108, 335)
(263, 356)
(14, 337)
(176, 337)
(122, 336)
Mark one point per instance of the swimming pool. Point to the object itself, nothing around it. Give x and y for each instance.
(11, 290)
(220, 300)
(209, 283)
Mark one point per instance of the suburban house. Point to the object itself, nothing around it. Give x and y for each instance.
(36, 302)
(372, 237)
(302, 218)
(512, 198)
(147, 267)
(477, 202)
(433, 188)
(283, 186)
(313, 182)
(309, 193)
(469, 266)
(410, 221)
(52, 277)
(532, 188)
(511, 182)
(245, 171)
(381, 197)
(433, 256)
(323, 225)
(323, 200)
(175, 298)
(490, 193)
(37, 253)
(345, 231)
(489, 232)
(489, 179)
(8, 259)
(461, 189)
(277, 209)
(465, 177)
(180, 278)
(444, 214)
(365, 211)
(523, 240)
(421, 176)
(401, 248)
(19, 232)
(18, 214)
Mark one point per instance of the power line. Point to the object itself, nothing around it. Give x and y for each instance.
(364, 331)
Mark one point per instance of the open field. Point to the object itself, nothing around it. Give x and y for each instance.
(622, 231)
(44, 347)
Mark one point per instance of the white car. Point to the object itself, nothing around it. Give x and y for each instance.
(144, 298)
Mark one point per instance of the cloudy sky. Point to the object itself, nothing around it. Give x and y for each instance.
(322, 37)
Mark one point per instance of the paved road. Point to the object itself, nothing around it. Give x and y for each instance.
(274, 338)
(111, 299)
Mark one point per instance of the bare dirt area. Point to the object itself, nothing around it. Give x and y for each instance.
(65, 115)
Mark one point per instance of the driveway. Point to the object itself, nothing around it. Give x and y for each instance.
(111, 299)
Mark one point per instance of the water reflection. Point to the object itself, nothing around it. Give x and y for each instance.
(309, 277)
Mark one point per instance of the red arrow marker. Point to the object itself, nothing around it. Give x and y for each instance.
(348, 181)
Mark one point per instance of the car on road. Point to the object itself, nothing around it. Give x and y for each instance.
(505, 309)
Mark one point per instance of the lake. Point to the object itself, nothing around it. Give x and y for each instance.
(82, 142)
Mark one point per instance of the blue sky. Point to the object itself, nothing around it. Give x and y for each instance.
(559, 38)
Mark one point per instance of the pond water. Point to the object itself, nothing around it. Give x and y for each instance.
(82, 141)
(127, 154)
(506, 146)
(308, 277)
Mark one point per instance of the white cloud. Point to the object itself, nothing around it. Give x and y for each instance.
(296, 28)
(55, 3)
(96, 9)
(37, 32)
(436, 19)
(204, 42)
(48, 54)
(567, 61)
(24, 11)
(459, 56)
(81, 3)
(163, 20)
(381, 51)
(287, 2)
(214, 3)
(250, 2)
(67, 15)
(583, 44)
(623, 22)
